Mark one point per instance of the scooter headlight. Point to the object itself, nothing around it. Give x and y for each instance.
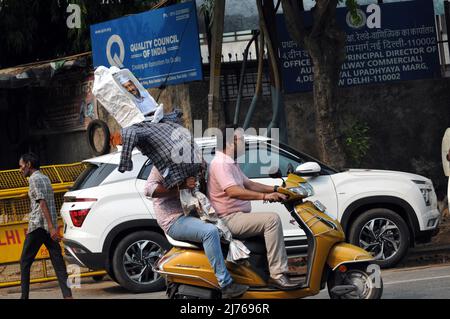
(303, 189)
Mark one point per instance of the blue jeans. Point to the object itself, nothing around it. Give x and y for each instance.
(195, 230)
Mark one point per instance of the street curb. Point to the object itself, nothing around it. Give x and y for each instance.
(421, 250)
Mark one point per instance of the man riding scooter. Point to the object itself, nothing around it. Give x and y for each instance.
(347, 271)
(170, 217)
(230, 193)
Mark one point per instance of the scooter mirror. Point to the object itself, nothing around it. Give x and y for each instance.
(275, 174)
(308, 169)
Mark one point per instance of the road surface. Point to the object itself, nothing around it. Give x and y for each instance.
(429, 282)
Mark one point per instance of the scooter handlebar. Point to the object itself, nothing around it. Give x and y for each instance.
(290, 194)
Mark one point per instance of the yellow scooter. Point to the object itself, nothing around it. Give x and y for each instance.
(347, 270)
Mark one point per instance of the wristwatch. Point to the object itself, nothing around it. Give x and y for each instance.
(275, 188)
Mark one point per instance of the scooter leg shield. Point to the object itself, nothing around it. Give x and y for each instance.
(343, 253)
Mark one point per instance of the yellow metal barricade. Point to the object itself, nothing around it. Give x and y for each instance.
(14, 210)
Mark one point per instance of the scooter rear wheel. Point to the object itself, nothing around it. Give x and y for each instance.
(366, 284)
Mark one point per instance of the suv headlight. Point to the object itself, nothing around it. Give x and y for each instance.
(425, 190)
(426, 195)
(303, 189)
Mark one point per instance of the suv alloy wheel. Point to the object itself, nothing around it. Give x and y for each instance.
(134, 258)
(383, 233)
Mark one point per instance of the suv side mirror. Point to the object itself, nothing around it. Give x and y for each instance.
(290, 169)
(308, 169)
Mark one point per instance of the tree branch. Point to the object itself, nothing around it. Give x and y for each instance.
(324, 12)
(272, 54)
(293, 15)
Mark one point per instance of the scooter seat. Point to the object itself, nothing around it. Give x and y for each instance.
(183, 244)
(255, 244)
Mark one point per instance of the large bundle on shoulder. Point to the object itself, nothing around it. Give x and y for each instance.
(113, 98)
(168, 145)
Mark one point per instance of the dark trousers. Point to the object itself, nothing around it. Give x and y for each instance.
(33, 242)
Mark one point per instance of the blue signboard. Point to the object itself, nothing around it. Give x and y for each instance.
(159, 46)
(389, 42)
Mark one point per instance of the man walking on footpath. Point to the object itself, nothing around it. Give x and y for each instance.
(42, 226)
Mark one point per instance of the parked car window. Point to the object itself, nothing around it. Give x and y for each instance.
(145, 171)
(254, 160)
(325, 169)
(253, 163)
(252, 166)
(93, 175)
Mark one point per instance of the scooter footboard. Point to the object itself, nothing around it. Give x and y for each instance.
(343, 253)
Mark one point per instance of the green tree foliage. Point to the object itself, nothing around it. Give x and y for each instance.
(36, 30)
(357, 141)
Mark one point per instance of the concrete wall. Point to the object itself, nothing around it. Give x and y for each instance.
(406, 123)
(66, 148)
(17, 118)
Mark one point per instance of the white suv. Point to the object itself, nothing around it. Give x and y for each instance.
(109, 223)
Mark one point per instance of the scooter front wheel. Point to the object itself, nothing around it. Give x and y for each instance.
(180, 291)
(355, 283)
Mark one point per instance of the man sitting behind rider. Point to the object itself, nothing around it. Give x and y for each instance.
(230, 193)
(170, 217)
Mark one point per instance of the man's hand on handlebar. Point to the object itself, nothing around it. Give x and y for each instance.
(275, 197)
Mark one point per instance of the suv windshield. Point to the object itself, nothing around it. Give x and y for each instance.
(262, 154)
(93, 175)
(280, 156)
(326, 170)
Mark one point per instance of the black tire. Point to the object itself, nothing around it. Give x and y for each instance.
(110, 273)
(401, 235)
(93, 125)
(373, 288)
(156, 246)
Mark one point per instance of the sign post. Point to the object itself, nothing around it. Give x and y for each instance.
(389, 42)
(159, 46)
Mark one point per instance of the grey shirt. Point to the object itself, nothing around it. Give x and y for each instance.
(40, 188)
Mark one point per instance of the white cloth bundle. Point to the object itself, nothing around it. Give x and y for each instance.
(159, 114)
(120, 104)
(195, 200)
(110, 94)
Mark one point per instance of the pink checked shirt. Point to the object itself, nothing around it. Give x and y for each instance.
(167, 209)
